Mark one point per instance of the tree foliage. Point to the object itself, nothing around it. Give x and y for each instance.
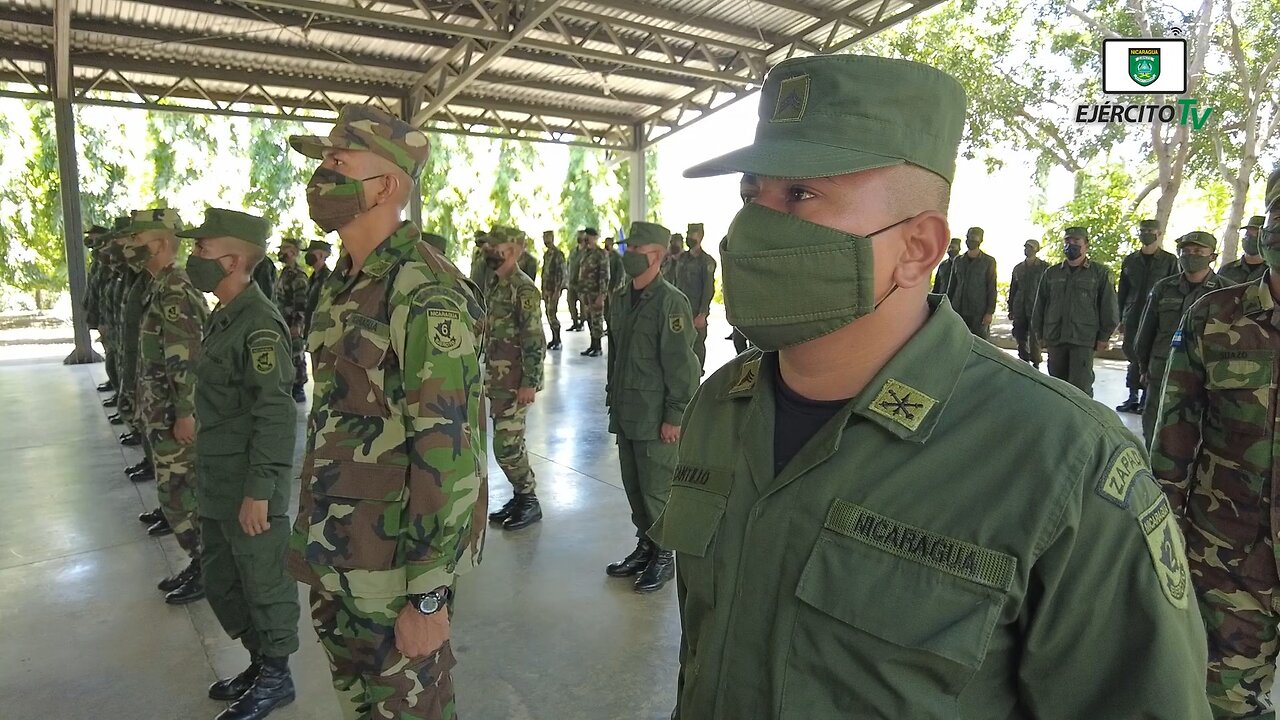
(1103, 204)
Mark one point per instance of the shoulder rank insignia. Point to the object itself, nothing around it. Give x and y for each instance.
(677, 324)
(747, 375)
(903, 404)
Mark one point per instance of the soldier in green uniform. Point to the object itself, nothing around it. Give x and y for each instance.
(553, 282)
(1075, 311)
(576, 314)
(318, 259)
(1139, 272)
(942, 278)
(696, 278)
(869, 516)
(173, 315)
(674, 251)
(1251, 265)
(248, 422)
(1215, 451)
(593, 286)
(291, 300)
(392, 503)
(516, 349)
(1168, 303)
(973, 285)
(1023, 285)
(265, 276)
(653, 373)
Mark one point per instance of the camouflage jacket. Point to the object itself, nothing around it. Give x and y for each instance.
(575, 268)
(394, 480)
(1214, 443)
(1023, 285)
(528, 265)
(696, 277)
(553, 271)
(97, 275)
(1239, 271)
(1167, 304)
(1075, 306)
(516, 345)
(291, 296)
(169, 339)
(1138, 274)
(973, 285)
(653, 371)
(593, 274)
(314, 285)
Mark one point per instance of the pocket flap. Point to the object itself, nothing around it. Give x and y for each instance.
(359, 481)
(1239, 369)
(689, 521)
(366, 343)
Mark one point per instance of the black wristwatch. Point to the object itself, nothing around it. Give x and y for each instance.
(430, 603)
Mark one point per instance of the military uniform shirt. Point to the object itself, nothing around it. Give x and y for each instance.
(169, 342)
(553, 271)
(696, 278)
(1075, 306)
(291, 296)
(314, 285)
(1138, 273)
(248, 419)
(528, 265)
(973, 285)
(516, 345)
(964, 539)
(593, 274)
(1239, 271)
(1166, 306)
(1023, 285)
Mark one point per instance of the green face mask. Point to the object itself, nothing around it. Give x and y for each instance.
(634, 264)
(1192, 264)
(205, 273)
(136, 256)
(767, 252)
(1271, 254)
(1250, 245)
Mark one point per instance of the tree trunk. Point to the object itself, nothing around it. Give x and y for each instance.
(1231, 233)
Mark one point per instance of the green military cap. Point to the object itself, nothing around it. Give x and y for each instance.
(1149, 225)
(975, 232)
(438, 242)
(1256, 221)
(643, 233)
(828, 115)
(695, 227)
(153, 219)
(1076, 231)
(319, 245)
(219, 222)
(95, 230)
(501, 234)
(1032, 244)
(1203, 239)
(1272, 195)
(362, 127)
(294, 243)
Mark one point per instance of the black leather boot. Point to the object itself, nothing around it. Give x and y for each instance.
(575, 327)
(633, 564)
(503, 512)
(272, 689)
(111, 401)
(105, 386)
(524, 513)
(131, 439)
(145, 474)
(173, 582)
(144, 464)
(190, 591)
(151, 517)
(233, 687)
(115, 419)
(160, 528)
(658, 573)
(594, 350)
(300, 394)
(1129, 405)
(555, 340)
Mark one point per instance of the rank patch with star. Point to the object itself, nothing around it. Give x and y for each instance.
(903, 404)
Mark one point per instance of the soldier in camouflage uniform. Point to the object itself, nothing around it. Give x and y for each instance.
(617, 278)
(514, 358)
(392, 504)
(1139, 272)
(553, 282)
(1167, 304)
(133, 291)
(942, 278)
(1250, 266)
(593, 285)
(1215, 453)
(168, 349)
(1075, 311)
(1023, 285)
(576, 314)
(291, 300)
(96, 240)
(317, 259)
(696, 278)
(109, 302)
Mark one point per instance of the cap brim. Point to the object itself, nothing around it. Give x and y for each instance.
(792, 159)
(313, 146)
(198, 233)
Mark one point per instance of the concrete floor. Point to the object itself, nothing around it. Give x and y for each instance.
(541, 631)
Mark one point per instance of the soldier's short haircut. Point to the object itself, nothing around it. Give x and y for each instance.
(916, 190)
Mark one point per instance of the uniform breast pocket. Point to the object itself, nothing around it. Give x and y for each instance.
(360, 372)
(355, 515)
(689, 525)
(219, 383)
(1239, 385)
(1083, 299)
(888, 626)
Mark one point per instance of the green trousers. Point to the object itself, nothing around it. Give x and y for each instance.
(647, 467)
(255, 600)
(1073, 363)
(700, 348)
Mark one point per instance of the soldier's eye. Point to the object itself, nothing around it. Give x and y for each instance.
(797, 194)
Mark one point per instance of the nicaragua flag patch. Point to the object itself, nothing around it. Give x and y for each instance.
(1177, 339)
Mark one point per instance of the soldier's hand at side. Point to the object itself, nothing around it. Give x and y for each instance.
(253, 517)
(599, 303)
(1102, 345)
(525, 396)
(1142, 379)
(184, 430)
(419, 635)
(700, 322)
(670, 433)
(986, 320)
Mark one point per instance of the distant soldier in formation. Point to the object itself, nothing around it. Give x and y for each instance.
(265, 276)
(553, 283)
(593, 285)
(291, 300)
(616, 279)
(317, 259)
(516, 349)
(674, 251)
(973, 285)
(1023, 286)
(134, 290)
(528, 262)
(1139, 272)
(577, 314)
(942, 278)
(95, 239)
(1075, 311)
(696, 278)
(1251, 265)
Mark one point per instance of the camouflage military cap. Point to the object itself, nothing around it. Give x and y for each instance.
(294, 243)
(438, 242)
(1256, 221)
(643, 233)
(501, 234)
(975, 232)
(1203, 239)
(319, 246)
(219, 222)
(1076, 231)
(1032, 244)
(361, 127)
(1272, 195)
(154, 219)
(695, 228)
(1149, 225)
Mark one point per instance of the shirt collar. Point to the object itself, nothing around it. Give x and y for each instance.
(388, 254)
(224, 315)
(1257, 298)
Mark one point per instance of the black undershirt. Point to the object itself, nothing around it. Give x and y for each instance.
(796, 419)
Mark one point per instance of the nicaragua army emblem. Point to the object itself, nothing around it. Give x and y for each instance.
(444, 329)
(676, 324)
(1144, 65)
(264, 359)
(171, 313)
(1168, 555)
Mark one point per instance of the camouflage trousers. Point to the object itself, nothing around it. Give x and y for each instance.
(299, 363)
(551, 301)
(647, 467)
(176, 486)
(1236, 593)
(595, 314)
(374, 681)
(508, 443)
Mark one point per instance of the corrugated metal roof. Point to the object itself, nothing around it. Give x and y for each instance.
(595, 68)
